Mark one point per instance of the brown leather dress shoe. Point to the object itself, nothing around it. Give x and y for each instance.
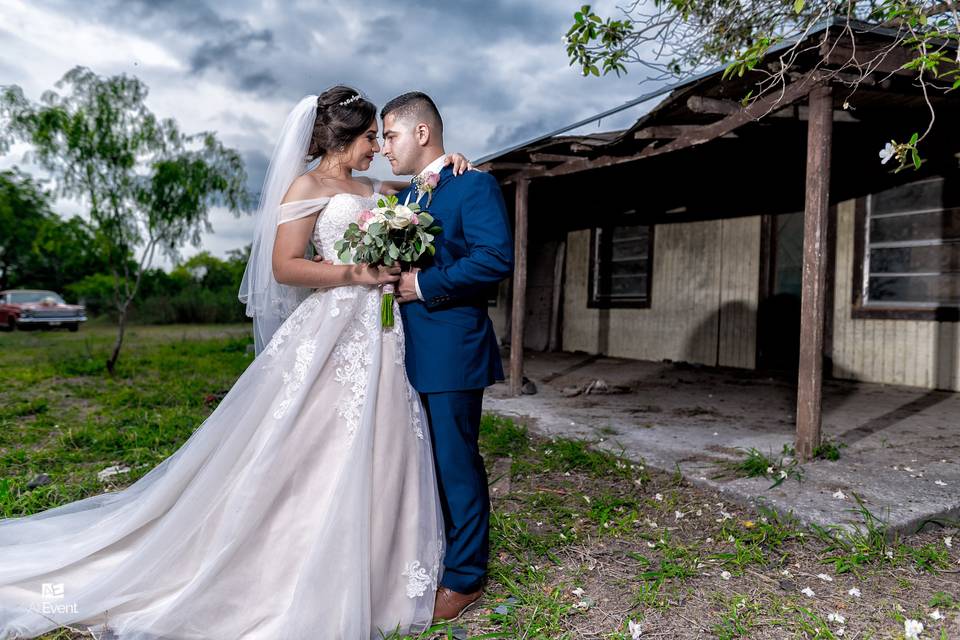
(450, 605)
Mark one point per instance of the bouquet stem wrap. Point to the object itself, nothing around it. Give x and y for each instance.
(386, 307)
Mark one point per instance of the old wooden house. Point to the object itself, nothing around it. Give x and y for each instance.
(761, 237)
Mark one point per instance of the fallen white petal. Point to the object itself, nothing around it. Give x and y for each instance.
(912, 629)
(836, 617)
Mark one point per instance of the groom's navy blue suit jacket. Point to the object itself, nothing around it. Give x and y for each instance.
(450, 343)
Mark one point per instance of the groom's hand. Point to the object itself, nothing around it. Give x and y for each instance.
(407, 291)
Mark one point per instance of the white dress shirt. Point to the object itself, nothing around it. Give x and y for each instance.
(433, 167)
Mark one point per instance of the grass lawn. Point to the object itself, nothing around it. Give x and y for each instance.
(584, 545)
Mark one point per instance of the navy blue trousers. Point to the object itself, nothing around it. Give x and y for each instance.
(454, 429)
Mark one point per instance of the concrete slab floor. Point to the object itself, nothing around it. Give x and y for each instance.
(903, 443)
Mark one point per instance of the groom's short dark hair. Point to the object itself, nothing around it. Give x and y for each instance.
(414, 103)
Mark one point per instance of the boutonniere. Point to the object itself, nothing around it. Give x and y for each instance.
(425, 184)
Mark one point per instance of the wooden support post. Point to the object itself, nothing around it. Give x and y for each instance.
(553, 342)
(812, 307)
(519, 309)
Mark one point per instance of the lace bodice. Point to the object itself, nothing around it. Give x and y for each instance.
(336, 214)
(342, 209)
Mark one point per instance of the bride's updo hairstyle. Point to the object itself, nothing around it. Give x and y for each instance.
(343, 114)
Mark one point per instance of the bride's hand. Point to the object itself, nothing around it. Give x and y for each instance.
(378, 275)
(459, 161)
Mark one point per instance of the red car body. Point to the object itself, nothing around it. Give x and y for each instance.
(29, 308)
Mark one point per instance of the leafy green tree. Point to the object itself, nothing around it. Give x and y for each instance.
(674, 39)
(24, 210)
(148, 186)
(63, 252)
(207, 271)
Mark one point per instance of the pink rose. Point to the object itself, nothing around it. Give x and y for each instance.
(365, 217)
(415, 219)
(432, 180)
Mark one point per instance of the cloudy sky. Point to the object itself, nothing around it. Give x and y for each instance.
(496, 68)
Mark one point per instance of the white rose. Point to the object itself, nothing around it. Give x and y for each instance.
(402, 218)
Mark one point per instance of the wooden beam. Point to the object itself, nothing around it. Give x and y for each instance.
(876, 60)
(703, 104)
(705, 133)
(576, 147)
(671, 132)
(802, 113)
(665, 132)
(510, 166)
(551, 157)
(519, 308)
(812, 302)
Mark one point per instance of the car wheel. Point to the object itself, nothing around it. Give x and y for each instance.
(75, 326)
(11, 324)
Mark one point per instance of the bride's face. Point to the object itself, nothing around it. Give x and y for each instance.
(361, 151)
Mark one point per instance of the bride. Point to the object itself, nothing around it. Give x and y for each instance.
(305, 505)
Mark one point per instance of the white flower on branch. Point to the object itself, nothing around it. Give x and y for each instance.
(887, 152)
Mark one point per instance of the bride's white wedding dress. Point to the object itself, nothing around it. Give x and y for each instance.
(305, 505)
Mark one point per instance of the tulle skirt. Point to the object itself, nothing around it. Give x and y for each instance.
(305, 506)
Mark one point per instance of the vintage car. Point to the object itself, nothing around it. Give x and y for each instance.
(29, 308)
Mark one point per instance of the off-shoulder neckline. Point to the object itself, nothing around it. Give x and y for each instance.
(324, 199)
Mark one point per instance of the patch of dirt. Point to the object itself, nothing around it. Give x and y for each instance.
(670, 565)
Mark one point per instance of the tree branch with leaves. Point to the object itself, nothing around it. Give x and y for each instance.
(148, 187)
(675, 39)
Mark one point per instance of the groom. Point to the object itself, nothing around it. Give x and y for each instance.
(451, 350)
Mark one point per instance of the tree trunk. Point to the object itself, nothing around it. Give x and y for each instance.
(121, 327)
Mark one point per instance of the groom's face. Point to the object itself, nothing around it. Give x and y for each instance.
(400, 144)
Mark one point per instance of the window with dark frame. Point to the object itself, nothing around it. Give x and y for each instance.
(910, 248)
(621, 260)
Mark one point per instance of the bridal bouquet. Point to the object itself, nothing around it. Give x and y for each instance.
(389, 234)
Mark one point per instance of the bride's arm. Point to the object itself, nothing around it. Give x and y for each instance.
(291, 268)
(460, 165)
